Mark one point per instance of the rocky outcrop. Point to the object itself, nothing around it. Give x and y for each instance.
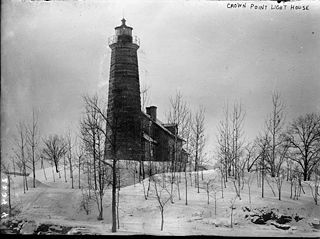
(281, 226)
(15, 226)
(79, 231)
(263, 215)
(28, 227)
(316, 223)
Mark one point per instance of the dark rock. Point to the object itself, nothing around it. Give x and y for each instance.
(42, 228)
(79, 231)
(56, 228)
(284, 219)
(257, 220)
(281, 226)
(269, 216)
(65, 230)
(16, 230)
(28, 228)
(316, 224)
(246, 209)
(20, 225)
(14, 222)
(297, 218)
(7, 231)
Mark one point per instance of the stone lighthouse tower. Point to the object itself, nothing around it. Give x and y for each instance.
(124, 104)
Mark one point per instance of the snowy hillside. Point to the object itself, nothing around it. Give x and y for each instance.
(56, 203)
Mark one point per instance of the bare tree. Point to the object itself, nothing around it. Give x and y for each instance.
(42, 166)
(93, 131)
(274, 126)
(222, 178)
(33, 140)
(109, 131)
(20, 150)
(223, 139)
(187, 137)
(249, 181)
(237, 143)
(178, 115)
(304, 139)
(211, 186)
(85, 200)
(163, 196)
(232, 207)
(80, 153)
(90, 132)
(263, 145)
(279, 180)
(69, 155)
(253, 154)
(198, 140)
(231, 149)
(314, 188)
(64, 169)
(54, 149)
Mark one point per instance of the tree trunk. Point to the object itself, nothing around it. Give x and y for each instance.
(178, 189)
(24, 184)
(71, 175)
(162, 219)
(222, 181)
(100, 217)
(305, 175)
(64, 169)
(114, 195)
(231, 216)
(14, 167)
(198, 183)
(25, 173)
(33, 168)
(89, 177)
(44, 171)
(53, 174)
(118, 198)
(262, 182)
(279, 194)
(143, 172)
(79, 172)
(316, 194)
(186, 179)
(215, 203)
(134, 175)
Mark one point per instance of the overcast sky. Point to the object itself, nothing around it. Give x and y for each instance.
(54, 52)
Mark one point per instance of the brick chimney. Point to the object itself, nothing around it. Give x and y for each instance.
(152, 111)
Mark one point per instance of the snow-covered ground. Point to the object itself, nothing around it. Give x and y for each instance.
(55, 202)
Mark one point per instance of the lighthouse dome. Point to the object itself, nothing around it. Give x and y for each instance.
(123, 29)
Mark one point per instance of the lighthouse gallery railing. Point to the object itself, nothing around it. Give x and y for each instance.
(114, 39)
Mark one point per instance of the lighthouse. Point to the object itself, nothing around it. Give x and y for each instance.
(124, 103)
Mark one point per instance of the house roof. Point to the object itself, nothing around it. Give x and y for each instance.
(161, 125)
